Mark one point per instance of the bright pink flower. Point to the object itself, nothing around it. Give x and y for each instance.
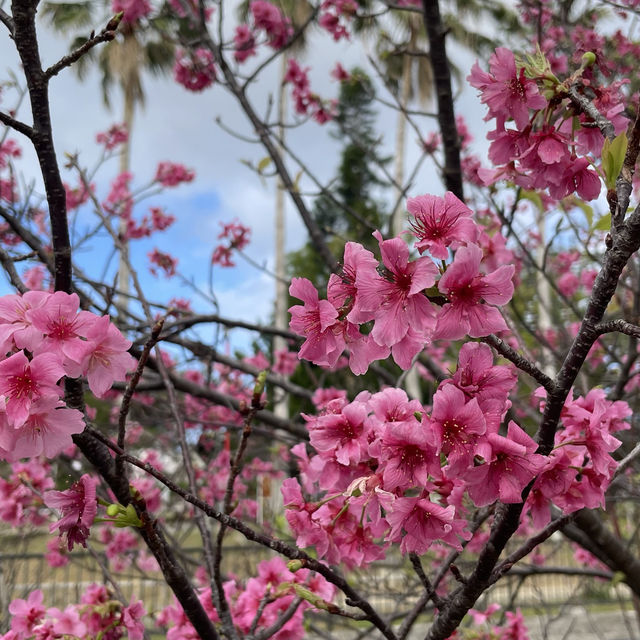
(78, 506)
(342, 291)
(268, 17)
(26, 613)
(131, 619)
(317, 320)
(440, 223)
(510, 464)
(506, 90)
(104, 357)
(423, 522)
(15, 323)
(47, 430)
(114, 136)
(23, 382)
(466, 288)
(61, 323)
(244, 42)
(398, 299)
(405, 456)
(342, 436)
(456, 427)
(171, 174)
(194, 70)
(578, 176)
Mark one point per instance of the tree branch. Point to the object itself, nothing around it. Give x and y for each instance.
(442, 79)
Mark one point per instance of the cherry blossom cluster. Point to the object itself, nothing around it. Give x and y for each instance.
(334, 14)
(21, 493)
(236, 237)
(97, 615)
(306, 102)
(194, 70)
(396, 296)
(47, 338)
(275, 584)
(269, 19)
(113, 137)
(579, 469)
(552, 145)
(386, 469)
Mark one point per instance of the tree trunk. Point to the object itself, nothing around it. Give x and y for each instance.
(281, 407)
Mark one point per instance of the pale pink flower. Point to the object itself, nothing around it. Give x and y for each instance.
(47, 430)
(171, 174)
(131, 619)
(104, 358)
(26, 613)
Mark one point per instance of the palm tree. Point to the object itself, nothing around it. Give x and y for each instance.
(298, 11)
(122, 61)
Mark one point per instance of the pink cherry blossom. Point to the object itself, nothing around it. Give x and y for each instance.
(317, 320)
(510, 464)
(424, 522)
(397, 299)
(440, 223)
(506, 90)
(23, 382)
(78, 506)
(466, 288)
(104, 358)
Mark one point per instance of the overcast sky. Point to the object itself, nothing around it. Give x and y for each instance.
(180, 126)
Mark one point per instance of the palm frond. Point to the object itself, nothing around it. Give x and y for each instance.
(69, 16)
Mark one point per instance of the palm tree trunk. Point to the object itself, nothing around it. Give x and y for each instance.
(281, 408)
(544, 296)
(124, 275)
(411, 380)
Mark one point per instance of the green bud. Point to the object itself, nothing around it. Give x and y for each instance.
(113, 510)
(588, 59)
(260, 382)
(295, 565)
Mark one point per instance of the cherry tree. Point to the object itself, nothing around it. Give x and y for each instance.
(523, 429)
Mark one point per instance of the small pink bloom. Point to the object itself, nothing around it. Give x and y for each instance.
(466, 288)
(131, 619)
(104, 358)
(318, 321)
(78, 506)
(23, 382)
(441, 223)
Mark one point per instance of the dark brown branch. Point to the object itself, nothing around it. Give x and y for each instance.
(589, 109)
(520, 361)
(131, 388)
(442, 79)
(106, 35)
(528, 546)
(619, 326)
(9, 267)
(18, 126)
(315, 233)
(426, 583)
(7, 21)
